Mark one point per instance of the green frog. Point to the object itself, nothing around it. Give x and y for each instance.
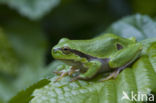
(107, 53)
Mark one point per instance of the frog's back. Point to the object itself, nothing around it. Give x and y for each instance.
(102, 46)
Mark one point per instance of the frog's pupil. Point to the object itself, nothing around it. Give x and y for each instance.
(119, 46)
(65, 49)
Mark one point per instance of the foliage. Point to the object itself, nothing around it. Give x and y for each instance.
(140, 77)
(25, 96)
(139, 26)
(142, 5)
(29, 28)
(8, 58)
(30, 59)
(33, 9)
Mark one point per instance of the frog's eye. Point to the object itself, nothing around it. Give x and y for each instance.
(66, 50)
(119, 46)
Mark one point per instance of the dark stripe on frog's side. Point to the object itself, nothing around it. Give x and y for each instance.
(104, 68)
(88, 57)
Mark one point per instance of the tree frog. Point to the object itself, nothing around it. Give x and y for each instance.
(107, 53)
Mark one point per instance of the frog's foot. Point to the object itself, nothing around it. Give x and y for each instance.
(63, 74)
(112, 75)
(70, 72)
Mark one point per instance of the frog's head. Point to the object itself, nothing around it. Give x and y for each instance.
(65, 51)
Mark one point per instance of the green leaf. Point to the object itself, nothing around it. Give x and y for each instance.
(33, 9)
(8, 57)
(28, 41)
(139, 26)
(150, 50)
(25, 95)
(6, 90)
(9, 66)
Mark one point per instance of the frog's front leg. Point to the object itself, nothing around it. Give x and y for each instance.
(63, 71)
(70, 72)
(94, 67)
(61, 76)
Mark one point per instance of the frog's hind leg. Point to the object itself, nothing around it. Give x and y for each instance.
(115, 73)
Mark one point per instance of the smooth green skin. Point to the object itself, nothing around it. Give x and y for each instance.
(101, 47)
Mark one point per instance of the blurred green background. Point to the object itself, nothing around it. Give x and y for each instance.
(30, 28)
